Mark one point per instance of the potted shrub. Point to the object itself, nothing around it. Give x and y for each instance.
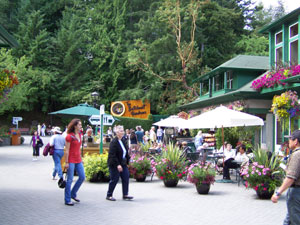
(202, 175)
(170, 166)
(96, 168)
(5, 137)
(140, 167)
(264, 174)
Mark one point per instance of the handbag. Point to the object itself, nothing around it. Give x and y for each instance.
(62, 181)
(39, 144)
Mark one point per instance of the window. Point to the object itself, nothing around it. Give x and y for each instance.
(205, 87)
(278, 56)
(278, 38)
(229, 79)
(294, 52)
(219, 82)
(294, 30)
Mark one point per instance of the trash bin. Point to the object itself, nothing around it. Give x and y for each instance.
(15, 137)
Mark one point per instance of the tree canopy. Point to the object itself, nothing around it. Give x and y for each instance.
(123, 49)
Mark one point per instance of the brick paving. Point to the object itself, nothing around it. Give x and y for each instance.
(28, 196)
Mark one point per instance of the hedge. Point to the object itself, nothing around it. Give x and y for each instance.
(129, 123)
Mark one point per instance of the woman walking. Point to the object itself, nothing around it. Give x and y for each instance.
(73, 161)
(58, 142)
(36, 142)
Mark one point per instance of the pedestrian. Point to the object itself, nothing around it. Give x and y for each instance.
(39, 128)
(159, 134)
(73, 161)
(37, 143)
(133, 142)
(43, 130)
(292, 182)
(139, 134)
(152, 135)
(58, 143)
(118, 159)
(198, 140)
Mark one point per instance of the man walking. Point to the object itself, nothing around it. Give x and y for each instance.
(292, 182)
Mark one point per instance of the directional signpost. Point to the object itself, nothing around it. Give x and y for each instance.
(102, 120)
(16, 120)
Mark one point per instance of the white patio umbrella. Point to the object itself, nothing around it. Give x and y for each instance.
(171, 121)
(223, 117)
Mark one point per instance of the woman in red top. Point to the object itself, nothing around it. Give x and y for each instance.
(73, 161)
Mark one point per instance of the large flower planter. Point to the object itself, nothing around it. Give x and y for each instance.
(140, 178)
(203, 189)
(6, 141)
(264, 194)
(171, 182)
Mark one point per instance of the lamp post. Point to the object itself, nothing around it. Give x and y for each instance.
(95, 96)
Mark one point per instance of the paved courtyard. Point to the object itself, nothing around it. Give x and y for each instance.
(29, 196)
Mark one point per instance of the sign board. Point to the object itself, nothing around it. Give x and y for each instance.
(131, 108)
(95, 120)
(16, 120)
(108, 120)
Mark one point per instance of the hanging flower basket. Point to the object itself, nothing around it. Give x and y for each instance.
(286, 107)
(7, 80)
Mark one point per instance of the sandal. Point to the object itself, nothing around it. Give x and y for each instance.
(76, 199)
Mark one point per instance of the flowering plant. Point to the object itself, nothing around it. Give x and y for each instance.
(273, 78)
(7, 80)
(199, 173)
(286, 106)
(139, 166)
(171, 164)
(183, 115)
(264, 173)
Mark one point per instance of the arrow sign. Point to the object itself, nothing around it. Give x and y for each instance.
(108, 120)
(17, 118)
(95, 120)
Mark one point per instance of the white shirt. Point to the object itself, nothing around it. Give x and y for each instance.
(58, 141)
(241, 158)
(229, 154)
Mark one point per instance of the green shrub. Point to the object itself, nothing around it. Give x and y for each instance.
(129, 123)
(93, 164)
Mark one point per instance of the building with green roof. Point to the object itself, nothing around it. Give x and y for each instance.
(231, 82)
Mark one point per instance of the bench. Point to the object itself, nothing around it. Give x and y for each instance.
(22, 130)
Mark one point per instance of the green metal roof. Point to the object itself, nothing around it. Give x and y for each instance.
(241, 62)
(6, 40)
(244, 92)
(278, 23)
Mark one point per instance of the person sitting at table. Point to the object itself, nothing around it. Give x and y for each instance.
(158, 148)
(239, 160)
(185, 149)
(88, 137)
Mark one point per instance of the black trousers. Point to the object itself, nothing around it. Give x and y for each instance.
(36, 151)
(228, 164)
(114, 178)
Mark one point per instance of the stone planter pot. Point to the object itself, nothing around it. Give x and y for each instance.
(203, 189)
(171, 182)
(140, 178)
(6, 141)
(264, 194)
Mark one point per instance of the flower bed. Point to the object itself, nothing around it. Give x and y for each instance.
(7, 80)
(273, 78)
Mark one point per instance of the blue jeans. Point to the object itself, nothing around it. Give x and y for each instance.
(58, 154)
(114, 178)
(293, 207)
(81, 177)
(159, 139)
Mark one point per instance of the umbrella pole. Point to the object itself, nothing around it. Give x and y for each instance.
(223, 144)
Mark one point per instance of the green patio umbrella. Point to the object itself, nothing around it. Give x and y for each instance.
(79, 110)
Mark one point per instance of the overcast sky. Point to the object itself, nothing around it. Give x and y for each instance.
(290, 5)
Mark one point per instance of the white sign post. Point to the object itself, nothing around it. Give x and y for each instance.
(16, 120)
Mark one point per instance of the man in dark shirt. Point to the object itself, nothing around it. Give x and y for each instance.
(139, 134)
(292, 182)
